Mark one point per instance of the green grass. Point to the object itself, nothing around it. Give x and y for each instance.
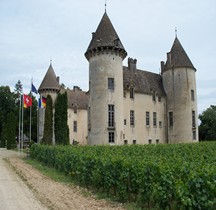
(50, 172)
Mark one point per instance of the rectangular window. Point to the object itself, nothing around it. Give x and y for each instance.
(111, 115)
(159, 98)
(192, 95)
(157, 141)
(194, 135)
(75, 126)
(125, 122)
(160, 124)
(134, 141)
(170, 118)
(125, 141)
(154, 119)
(150, 141)
(111, 137)
(153, 97)
(132, 93)
(132, 117)
(193, 119)
(147, 119)
(111, 83)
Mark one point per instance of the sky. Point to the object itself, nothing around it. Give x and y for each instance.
(35, 32)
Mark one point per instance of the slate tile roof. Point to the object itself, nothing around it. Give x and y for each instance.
(143, 81)
(50, 81)
(177, 57)
(105, 37)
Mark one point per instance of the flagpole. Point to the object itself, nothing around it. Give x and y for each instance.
(19, 146)
(22, 124)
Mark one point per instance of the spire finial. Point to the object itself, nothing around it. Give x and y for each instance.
(176, 32)
(51, 61)
(105, 4)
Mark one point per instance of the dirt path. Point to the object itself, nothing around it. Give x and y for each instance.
(14, 194)
(54, 195)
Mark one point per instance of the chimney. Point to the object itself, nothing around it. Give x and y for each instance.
(169, 60)
(58, 79)
(76, 88)
(162, 66)
(132, 64)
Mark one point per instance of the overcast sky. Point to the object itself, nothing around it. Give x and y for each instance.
(32, 32)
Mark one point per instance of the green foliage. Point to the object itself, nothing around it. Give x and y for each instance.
(3, 136)
(48, 125)
(7, 105)
(61, 127)
(207, 128)
(11, 130)
(181, 176)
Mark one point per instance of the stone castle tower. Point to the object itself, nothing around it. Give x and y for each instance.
(105, 55)
(178, 74)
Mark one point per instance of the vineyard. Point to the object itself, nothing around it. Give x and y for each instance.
(180, 176)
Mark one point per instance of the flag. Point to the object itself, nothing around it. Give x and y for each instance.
(44, 102)
(27, 101)
(39, 103)
(33, 89)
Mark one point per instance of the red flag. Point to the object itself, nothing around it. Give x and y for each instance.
(27, 101)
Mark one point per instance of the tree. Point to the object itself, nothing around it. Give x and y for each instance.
(11, 130)
(207, 128)
(61, 127)
(18, 91)
(6, 106)
(48, 124)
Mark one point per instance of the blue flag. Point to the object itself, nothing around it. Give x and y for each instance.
(33, 89)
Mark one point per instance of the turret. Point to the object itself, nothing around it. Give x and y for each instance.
(179, 83)
(49, 86)
(105, 55)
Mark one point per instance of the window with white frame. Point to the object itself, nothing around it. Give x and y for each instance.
(111, 137)
(154, 119)
(132, 117)
(147, 119)
(111, 84)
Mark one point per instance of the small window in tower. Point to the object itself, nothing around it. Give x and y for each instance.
(132, 117)
(134, 141)
(75, 109)
(159, 98)
(111, 115)
(125, 122)
(193, 119)
(154, 119)
(157, 141)
(150, 141)
(170, 118)
(111, 83)
(111, 137)
(125, 141)
(160, 124)
(194, 135)
(153, 97)
(132, 93)
(75, 126)
(192, 95)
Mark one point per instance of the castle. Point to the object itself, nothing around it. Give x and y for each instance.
(127, 105)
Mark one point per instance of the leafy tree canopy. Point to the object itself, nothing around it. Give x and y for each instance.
(207, 128)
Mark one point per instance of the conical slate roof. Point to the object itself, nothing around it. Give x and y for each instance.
(50, 81)
(177, 57)
(105, 37)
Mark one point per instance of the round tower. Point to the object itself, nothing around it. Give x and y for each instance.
(179, 81)
(49, 86)
(105, 55)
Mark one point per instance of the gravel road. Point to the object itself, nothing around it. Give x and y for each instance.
(14, 194)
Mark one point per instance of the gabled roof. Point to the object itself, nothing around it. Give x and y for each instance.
(105, 37)
(77, 98)
(177, 57)
(50, 81)
(143, 81)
